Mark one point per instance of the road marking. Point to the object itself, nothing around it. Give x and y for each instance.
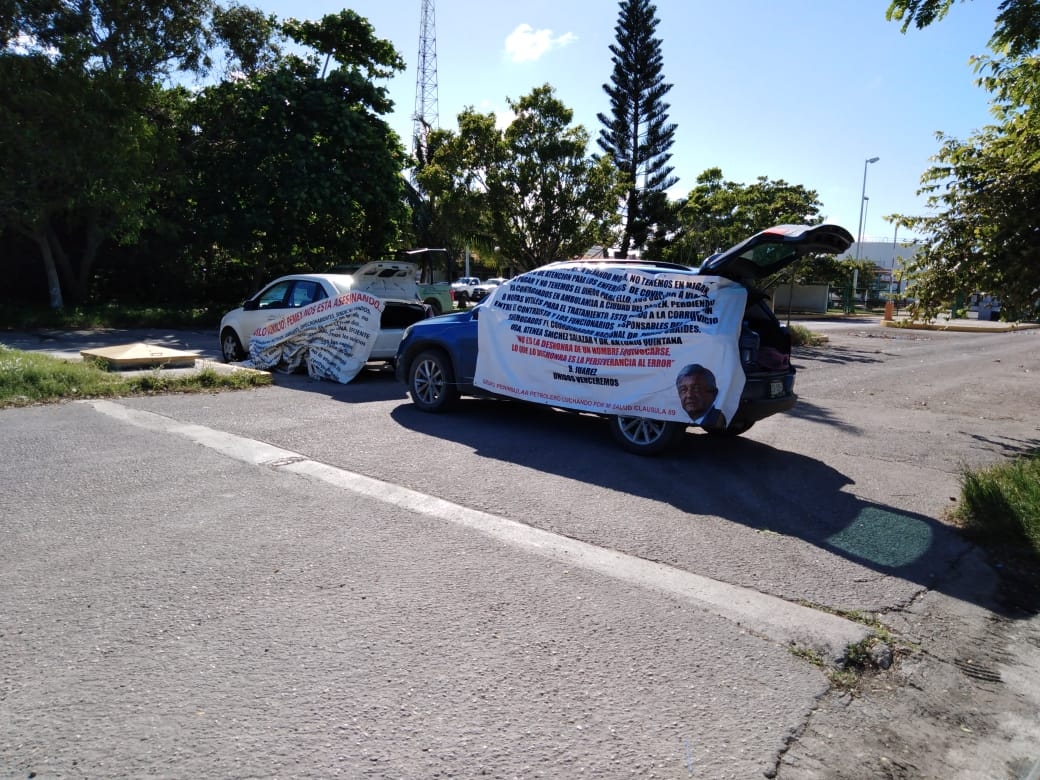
(759, 613)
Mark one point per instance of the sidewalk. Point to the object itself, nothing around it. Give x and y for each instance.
(942, 322)
(958, 325)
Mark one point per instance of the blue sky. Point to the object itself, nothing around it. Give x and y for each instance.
(799, 90)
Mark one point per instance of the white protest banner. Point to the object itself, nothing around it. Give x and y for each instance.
(334, 336)
(613, 341)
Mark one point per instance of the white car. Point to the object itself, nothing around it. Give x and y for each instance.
(392, 281)
(463, 288)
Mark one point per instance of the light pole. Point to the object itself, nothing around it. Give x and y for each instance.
(892, 273)
(855, 271)
(862, 202)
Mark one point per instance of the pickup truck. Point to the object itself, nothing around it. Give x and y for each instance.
(439, 296)
(486, 288)
(468, 288)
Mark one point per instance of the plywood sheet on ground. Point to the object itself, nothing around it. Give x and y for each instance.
(141, 355)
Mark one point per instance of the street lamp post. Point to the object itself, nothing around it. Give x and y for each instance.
(862, 202)
(892, 272)
(855, 271)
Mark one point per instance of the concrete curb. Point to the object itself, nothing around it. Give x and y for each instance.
(959, 327)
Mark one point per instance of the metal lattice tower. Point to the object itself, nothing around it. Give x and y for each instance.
(425, 117)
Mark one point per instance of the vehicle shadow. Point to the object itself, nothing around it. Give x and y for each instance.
(739, 479)
(375, 382)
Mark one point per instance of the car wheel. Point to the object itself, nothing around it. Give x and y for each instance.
(231, 347)
(645, 436)
(434, 304)
(735, 428)
(431, 382)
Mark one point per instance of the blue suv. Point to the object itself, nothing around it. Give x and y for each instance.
(652, 347)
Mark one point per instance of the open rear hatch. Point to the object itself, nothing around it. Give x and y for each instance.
(771, 250)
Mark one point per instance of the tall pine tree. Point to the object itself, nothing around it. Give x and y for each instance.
(637, 134)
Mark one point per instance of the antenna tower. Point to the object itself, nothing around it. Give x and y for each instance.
(425, 117)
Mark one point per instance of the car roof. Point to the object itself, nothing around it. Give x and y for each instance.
(340, 282)
(630, 263)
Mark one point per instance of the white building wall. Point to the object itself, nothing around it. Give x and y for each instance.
(886, 254)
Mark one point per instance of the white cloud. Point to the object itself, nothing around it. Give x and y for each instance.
(526, 44)
(504, 119)
(503, 116)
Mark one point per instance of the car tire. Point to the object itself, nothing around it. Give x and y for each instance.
(735, 428)
(645, 436)
(435, 305)
(431, 382)
(231, 347)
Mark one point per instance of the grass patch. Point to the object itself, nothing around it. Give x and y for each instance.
(28, 378)
(801, 336)
(873, 654)
(109, 316)
(1000, 505)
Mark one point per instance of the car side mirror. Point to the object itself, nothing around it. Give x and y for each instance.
(251, 305)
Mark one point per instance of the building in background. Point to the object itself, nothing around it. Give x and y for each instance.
(890, 256)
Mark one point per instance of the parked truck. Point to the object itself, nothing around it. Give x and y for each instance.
(468, 289)
(439, 296)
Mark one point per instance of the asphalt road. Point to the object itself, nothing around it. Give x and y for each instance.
(318, 580)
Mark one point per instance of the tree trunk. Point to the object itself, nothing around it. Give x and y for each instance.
(53, 283)
(61, 260)
(95, 236)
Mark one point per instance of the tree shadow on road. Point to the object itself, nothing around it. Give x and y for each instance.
(836, 355)
(817, 414)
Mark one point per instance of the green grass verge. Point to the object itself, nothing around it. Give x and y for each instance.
(802, 336)
(1000, 505)
(111, 316)
(28, 378)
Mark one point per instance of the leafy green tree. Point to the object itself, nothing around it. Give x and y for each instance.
(984, 192)
(89, 153)
(143, 40)
(76, 167)
(249, 39)
(1016, 31)
(446, 207)
(533, 193)
(985, 195)
(547, 198)
(637, 135)
(718, 214)
(296, 170)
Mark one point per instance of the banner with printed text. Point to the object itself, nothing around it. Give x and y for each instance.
(616, 341)
(333, 338)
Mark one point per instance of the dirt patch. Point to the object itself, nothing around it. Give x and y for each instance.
(960, 701)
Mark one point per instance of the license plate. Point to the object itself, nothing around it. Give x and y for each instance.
(776, 389)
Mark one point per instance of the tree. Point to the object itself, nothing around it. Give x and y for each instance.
(637, 135)
(446, 208)
(76, 166)
(1016, 33)
(86, 125)
(718, 214)
(143, 40)
(532, 190)
(296, 170)
(985, 193)
(250, 39)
